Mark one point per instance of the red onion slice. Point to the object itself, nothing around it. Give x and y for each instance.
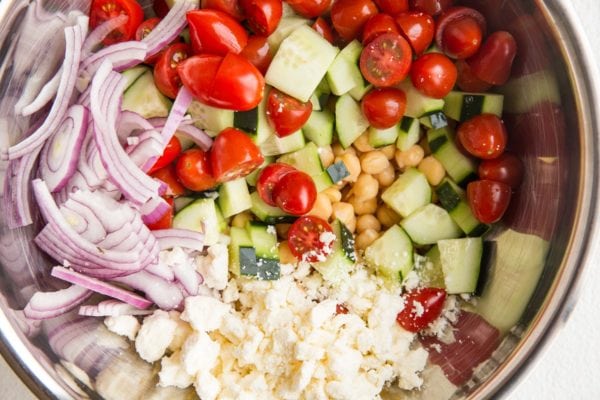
(44, 96)
(169, 238)
(169, 27)
(198, 136)
(188, 277)
(180, 105)
(100, 33)
(45, 305)
(121, 55)
(165, 295)
(111, 308)
(161, 270)
(154, 210)
(129, 122)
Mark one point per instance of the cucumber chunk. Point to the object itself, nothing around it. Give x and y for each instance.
(200, 215)
(234, 197)
(344, 73)
(264, 239)
(337, 171)
(453, 199)
(267, 213)
(434, 120)
(307, 160)
(144, 98)
(408, 193)
(383, 137)
(430, 270)
(132, 74)
(358, 92)
(391, 255)
(459, 167)
(286, 26)
(461, 106)
(349, 119)
(319, 127)
(252, 177)
(342, 258)
(274, 145)
(429, 224)
(409, 133)
(213, 120)
(242, 255)
(417, 104)
(461, 262)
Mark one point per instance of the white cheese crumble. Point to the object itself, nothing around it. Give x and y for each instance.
(155, 335)
(124, 325)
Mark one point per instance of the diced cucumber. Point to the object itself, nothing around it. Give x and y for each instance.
(234, 197)
(409, 133)
(358, 92)
(337, 171)
(461, 261)
(246, 120)
(300, 63)
(180, 202)
(417, 104)
(213, 120)
(255, 122)
(342, 258)
(429, 224)
(286, 26)
(242, 255)
(461, 106)
(307, 160)
(383, 137)
(459, 167)
(252, 177)
(201, 215)
(349, 119)
(319, 127)
(452, 198)
(408, 193)
(541, 86)
(132, 74)
(344, 74)
(430, 271)
(391, 254)
(434, 120)
(144, 98)
(314, 100)
(267, 213)
(264, 239)
(274, 145)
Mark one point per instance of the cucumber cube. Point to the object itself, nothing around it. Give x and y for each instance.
(461, 261)
(408, 193)
(234, 197)
(429, 224)
(391, 254)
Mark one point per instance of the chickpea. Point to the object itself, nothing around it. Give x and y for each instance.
(365, 239)
(374, 162)
(322, 207)
(362, 143)
(285, 254)
(326, 155)
(282, 230)
(409, 158)
(387, 216)
(432, 169)
(241, 219)
(425, 145)
(333, 194)
(367, 221)
(389, 151)
(364, 206)
(386, 177)
(366, 187)
(352, 164)
(339, 151)
(345, 213)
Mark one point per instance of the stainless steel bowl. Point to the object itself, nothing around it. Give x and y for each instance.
(553, 127)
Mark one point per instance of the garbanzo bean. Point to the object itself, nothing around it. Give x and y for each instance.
(362, 143)
(352, 164)
(364, 206)
(365, 239)
(326, 155)
(367, 221)
(409, 158)
(282, 230)
(345, 213)
(339, 151)
(389, 151)
(387, 216)
(285, 254)
(240, 220)
(374, 162)
(322, 207)
(386, 177)
(333, 193)
(365, 187)
(433, 170)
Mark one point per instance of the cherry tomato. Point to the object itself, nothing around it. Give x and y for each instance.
(194, 171)
(295, 193)
(507, 168)
(467, 81)
(433, 74)
(263, 16)
(493, 61)
(323, 28)
(422, 306)
(231, 7)
(215, 32)
(460, 31)
(418, 28)
(103, 10)
(483, 136)
(285, 113)
(386, 60)
(384, 107)
(160, 8)
(392, 7)
(166, 221)
(142, 31)
(234, 155)
(341, 309)
(431, 7)
(305, 241)
(258, 52)
(171, 152)
(168, 175)
(488, 200)
(377, 25)
(197, 73)
(310, 8)
(165, 71)
(350, 16)
(268, 178)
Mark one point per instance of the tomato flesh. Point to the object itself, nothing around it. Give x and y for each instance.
(233, 155)
(431, 7)
(285, 113)
(350, 16)
(507, 168)
(103, 10)
(268, 178)
(166, 76)
(434, 75)
(194, 170)
(308, 240)
(483, 136)
(310, 8)
(386, 60)
(488, 200)
(262, 16)
(422, 306)
(170, 153)
(295, 193)
(231, 7)
(215, 32)
(168, 175)
(467, 81)
(493, 61)
(166, 221)
(392, 7)
(384, 107)
(378, 25)
(418, 28)
(258, 52)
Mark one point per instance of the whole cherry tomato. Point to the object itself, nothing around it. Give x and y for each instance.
(418, 28)
(377, 25)
(350, 16)
(433, 74)
(194, 171)
(144, 30)
(285, 113)
(215, 32)
(231, 7)
(160, 8)
(323, 28)
(166, 221)
(310, 8)
(384, 107)
(262, 16)
(295, 193)
(386, 60)
(233, 155)
(483, 136)
(171, 152)
(488, 200)
(168, 175)
(103, 10)
(507, 168)
(422, 306)
(268, 178)
(306, 243)
(431, 7)
(467, 81)
(258, 52)
(165, 71)
(460, 31)
(392, 7)
(493, 61)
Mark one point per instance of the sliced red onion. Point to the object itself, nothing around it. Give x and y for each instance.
(164, 294)
(154, 210)
(112, 214)
(169, 27)
(188, 277)
(149, 147)
(169, 238)
(97, 36)
(111, 308)
(180, 105)
(129, 122)
(198, 136)
(45, 305)
(161, 270)
(44, 96)
(121, 55)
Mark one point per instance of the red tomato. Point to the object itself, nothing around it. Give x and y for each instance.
(194, 170)
(341, 309)
(350, 16)
(488, 200)
(386, 60)
(295, 193)
(285, 113)
(234, 155)
(392, 7)
(171, 152)
(165, 71)
(418, 28)
(166, 221)
(310, 8)
(160, 8)
(431, 7)
(323, 28)
(197, 73)
(305, 241)
(377, 25)
(215, 32)
(433, 74)
(258, 52)
(422, 306)
(384, 107)
(168, 175)
(483, 136)
(263, 16)
(467, 81)
(507, 168)
(142, 31)
(103, 10)
(459, 32)
(268, 178)
(493, 61)
(230, 7)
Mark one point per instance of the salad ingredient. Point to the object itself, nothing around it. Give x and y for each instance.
(350, 121)
(184, 238)
(430, 224)
(168, 175)
(268, 179)
(343, 75)
(234, 197)
(461, 263)
(104, 10)
(262, 16)
(215, 32)
(506, 168)
(144, 99)
(201, 215)
(493, 62)
(391, 254)
(454, 200)
(350, 16)
(194, 170)
(392, 7)
(431, 7)
(418, 28)
(165, 71)
(421, 307)
(44, 305)
(459, 32)
(386, 60)
(160, 8)
(378, 24)
(144, 30)
(258, 52)
(171, 152)
(462, 106)
(295, 193)
(433, 74)
(164, 222)
(483, 136)
(467, 80)
(488, 199)
(322, 27)
(460, 168)
(286, 114)
(384, 107)
(111, 308)
(309, 8)
(234, 155)
(231, 7)
(311, 239)
(408, 193)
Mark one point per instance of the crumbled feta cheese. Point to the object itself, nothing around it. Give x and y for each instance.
(199, 353)
(322, 312)
(207, 386)
(182, 331)
(124, 325)
(172, 372)
(214, 267)
(204, 313)
(155, 335)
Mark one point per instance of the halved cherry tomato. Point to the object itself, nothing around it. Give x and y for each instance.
(168, 175)
(231, 7)
(418, 28)
(233, 155)
(263, 16)
(488, 200)
(431, 7)
(507, 168)
(378, 25)
(165, 71)
(493, 61)
(103, 10)
(392, 7)
(467, 81)
(350, 16)
(433, 74)
(384, 107)
(295, 193)
(166, 221)
(310, 8)
(160, 8)
(194, 171)
(285, 113)
(215, 32)
(323, 28)
(142, 31)
(198, 73)
(268, 178)
(386, 60)
(483, 136)
(459, 32)
(306, 242)
(422, 306)
(171, 152)
(258, 52)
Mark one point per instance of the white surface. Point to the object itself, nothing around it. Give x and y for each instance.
(569, 369)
